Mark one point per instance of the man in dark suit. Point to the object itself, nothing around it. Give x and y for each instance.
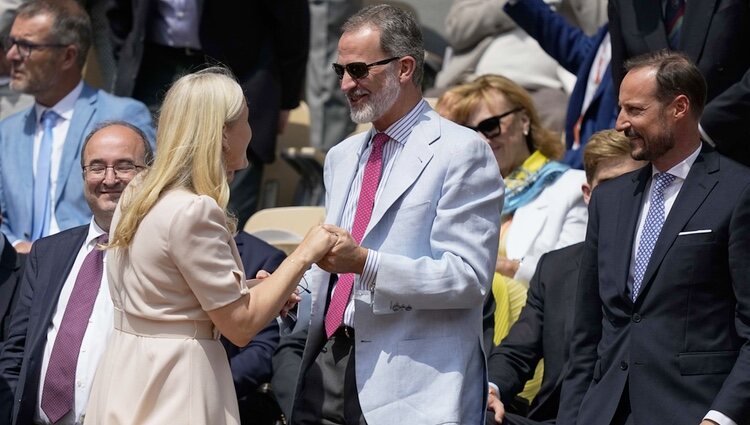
(710, 32)
(264, 42)
(50, 288)
(543, 329)
(251, 365)
(11, 268)
(662, 312)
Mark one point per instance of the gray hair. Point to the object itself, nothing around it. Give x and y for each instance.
(71, 24)
(400, 34)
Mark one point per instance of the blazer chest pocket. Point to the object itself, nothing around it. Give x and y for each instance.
(707, 362)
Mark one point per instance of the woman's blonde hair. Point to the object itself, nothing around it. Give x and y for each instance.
(459, 102)
(189, 138)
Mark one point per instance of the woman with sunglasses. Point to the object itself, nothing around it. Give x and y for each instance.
(544, 208)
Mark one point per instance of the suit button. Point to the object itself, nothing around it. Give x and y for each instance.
(637, 318)
(623, 365)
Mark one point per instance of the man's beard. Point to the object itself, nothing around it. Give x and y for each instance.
(378, 103)
(653, 148)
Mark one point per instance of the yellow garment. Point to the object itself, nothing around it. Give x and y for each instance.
(510, 297)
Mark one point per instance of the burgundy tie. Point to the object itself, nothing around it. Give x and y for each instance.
(58, 394)
(370, 181)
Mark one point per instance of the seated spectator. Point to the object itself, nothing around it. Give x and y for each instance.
(593, 101)
(544, 208)
(64, 313)
(543, 329)
(40, 192)
(485, 40)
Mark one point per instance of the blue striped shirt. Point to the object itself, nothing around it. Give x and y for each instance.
(399, 133)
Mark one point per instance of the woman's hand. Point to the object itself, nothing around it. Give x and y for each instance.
(316, 244)
(507, 267)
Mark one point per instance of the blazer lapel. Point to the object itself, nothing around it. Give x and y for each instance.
(627, 222)
(696, 187)
(26, 156)
(648, 17)
(408, 166)
(346, 170)
(83, 113)
(695, 25)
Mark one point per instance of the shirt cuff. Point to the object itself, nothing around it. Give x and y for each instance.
(706, 137)
(370, 271)
(719, 418)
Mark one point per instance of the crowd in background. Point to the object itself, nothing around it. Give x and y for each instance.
(491, 232)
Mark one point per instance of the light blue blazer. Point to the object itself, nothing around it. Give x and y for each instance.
(418, 348)
(17, 152)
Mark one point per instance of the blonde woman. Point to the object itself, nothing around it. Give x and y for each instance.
(175, 276)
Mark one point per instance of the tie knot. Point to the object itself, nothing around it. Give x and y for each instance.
(379, 140)
(662, 180)
(103, 239)
(49, 117)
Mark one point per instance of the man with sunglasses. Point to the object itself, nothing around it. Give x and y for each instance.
(395, 333)
(64, 312)
(40, 192)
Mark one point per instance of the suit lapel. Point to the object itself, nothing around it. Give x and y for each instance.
(698, 184)
(25, 146)
(695, 25)
(627, 222)
(83, 113)
(346, 170)
(648, 18)
(408, 166)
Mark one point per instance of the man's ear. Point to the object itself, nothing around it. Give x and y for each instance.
(407, 65)
(586, 189)
(681, 105)
(70, 57)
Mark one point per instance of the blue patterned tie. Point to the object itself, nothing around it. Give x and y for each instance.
(651, 229)
(42, 206)
(673, 16)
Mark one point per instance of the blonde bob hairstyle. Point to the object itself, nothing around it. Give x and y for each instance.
(459, 102)
(195, 112)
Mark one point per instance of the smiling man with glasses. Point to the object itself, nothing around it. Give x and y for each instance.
(40, 193)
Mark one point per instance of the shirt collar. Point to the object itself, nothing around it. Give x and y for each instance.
(94, 232)
(64, 107)
(682, 168)
(401, 129)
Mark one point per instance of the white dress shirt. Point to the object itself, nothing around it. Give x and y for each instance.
(64, 108)
(94, 340)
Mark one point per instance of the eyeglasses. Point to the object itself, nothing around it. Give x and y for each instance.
(25, 47)
(121, 169)
(359, 70)
(491, 126)
(304, 286)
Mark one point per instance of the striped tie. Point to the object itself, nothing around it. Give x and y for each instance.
(673, 14)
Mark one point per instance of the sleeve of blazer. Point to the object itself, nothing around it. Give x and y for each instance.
(286, 365)
(733, 399)
(291, 44)
(463, 237)
(513, 362)
(724, 120)
(13, 350)
(567, 44)
(120, 16)
(470, 21)
(618, 45)
(587, 325)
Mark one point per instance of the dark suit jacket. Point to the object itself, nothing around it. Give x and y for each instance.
(47, 267)
(542, 331)
(11, 267)
(575, 51)
(682, 347)
(713, 32)
(251, 365)
(264, 42)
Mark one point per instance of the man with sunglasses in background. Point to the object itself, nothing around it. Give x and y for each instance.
(64, 312)
(395, 333)
(40, 192)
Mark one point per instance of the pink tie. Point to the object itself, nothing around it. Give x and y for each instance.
(370, 181)
(58, 394)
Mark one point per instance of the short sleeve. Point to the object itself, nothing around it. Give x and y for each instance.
(202, 249)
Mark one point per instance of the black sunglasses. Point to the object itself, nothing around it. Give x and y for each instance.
(359, 70)
(25, 47)
(491, 126)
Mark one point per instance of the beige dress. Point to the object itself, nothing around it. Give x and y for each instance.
(164, 363)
